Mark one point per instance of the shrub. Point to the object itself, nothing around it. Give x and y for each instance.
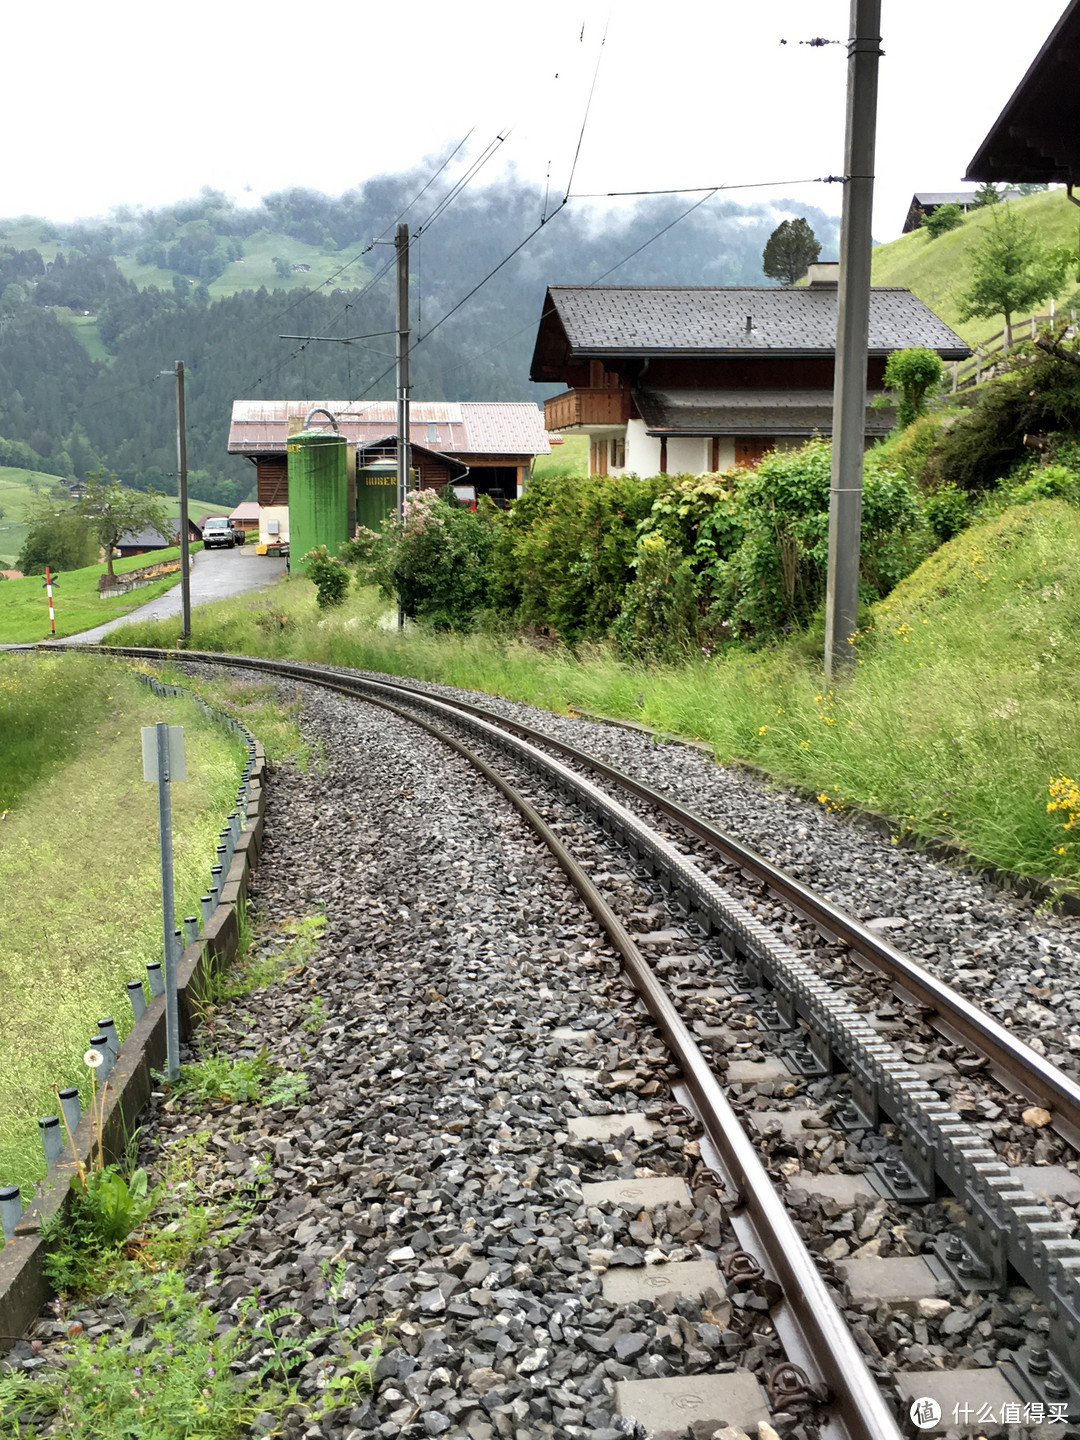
(661, 613)
(438, 563)
(329, 575)
(62, 542)
(1038, 394)
(566, 555)
(777, 571)
(947, 511)
(944, 218)
(1052, 482)
(911, 374)
(911, 449)
(775, 579)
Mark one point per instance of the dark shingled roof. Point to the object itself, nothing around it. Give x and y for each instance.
(747, 412)
(680, 320)
(1036, 138)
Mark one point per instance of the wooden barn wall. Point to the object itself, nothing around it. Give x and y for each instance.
(272, 479)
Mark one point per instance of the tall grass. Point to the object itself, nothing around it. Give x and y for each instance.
(80, 892)
(961, 709)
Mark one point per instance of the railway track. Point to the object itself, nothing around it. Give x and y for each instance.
(817, 1037)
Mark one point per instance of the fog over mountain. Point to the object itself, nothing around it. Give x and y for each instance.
(81, 392)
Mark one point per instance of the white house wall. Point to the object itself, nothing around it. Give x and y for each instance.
(642, 451)
(689, 455)
(280, 513)
(726, 457)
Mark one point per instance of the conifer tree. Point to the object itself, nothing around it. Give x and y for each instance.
(789, 251)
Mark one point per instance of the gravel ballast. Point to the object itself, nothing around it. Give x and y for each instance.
(434, 1153)
(1020, 964)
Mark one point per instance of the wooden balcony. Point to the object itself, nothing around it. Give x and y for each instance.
(576, 408)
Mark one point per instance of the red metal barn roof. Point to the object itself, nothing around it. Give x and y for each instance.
(261, 427)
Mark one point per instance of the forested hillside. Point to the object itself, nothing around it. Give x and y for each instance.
(91, 313)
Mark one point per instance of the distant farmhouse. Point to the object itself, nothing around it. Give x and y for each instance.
(925, 202)
(667, 379)
(491, 445)
(142, 542)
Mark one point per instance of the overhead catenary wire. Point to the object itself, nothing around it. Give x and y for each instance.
(314, 290)
(708, 195)
(716, 189)
(712, 189)
(585, 117)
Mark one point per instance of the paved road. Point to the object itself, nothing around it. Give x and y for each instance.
(216, 575)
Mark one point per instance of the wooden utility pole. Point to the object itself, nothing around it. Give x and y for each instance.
(401, 244)
(181, 461)
(852, 331)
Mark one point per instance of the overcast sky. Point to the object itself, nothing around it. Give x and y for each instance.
(125, 102)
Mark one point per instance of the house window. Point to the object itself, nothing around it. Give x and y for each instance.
(618, 454)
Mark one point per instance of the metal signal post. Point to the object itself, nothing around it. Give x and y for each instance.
(852, 331)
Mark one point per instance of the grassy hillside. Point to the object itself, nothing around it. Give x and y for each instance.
(960, 714)
(20, 491)
(939, 271)
(86, 331)
(18, 498)
(25, 234)
(568, 459)
(254, 270)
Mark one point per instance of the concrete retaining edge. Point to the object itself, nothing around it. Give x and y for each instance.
(24, 1288)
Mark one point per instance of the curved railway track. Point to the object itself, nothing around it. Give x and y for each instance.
(1007, 1232)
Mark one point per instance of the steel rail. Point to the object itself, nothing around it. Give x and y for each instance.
(1005, 1223)
(860, 1411)
(1015, 1064)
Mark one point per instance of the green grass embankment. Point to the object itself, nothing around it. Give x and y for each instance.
(961, 710)
(80, 889)
(24, 605)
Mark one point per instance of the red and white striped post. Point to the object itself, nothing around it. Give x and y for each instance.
(48, 591)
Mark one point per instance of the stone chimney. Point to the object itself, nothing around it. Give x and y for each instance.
(824, 275)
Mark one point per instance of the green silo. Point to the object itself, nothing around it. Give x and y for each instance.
(318, 493)
(376, 492)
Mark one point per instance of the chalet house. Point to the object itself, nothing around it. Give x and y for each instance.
(668, 379)
(493, 443)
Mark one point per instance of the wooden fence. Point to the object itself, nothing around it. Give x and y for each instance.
(966, 373)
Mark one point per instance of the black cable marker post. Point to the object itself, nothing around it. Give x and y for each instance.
(164, 761)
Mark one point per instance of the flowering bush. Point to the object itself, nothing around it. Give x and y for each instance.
(437, 563)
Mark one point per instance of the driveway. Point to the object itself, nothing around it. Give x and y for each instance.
(216, 575)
